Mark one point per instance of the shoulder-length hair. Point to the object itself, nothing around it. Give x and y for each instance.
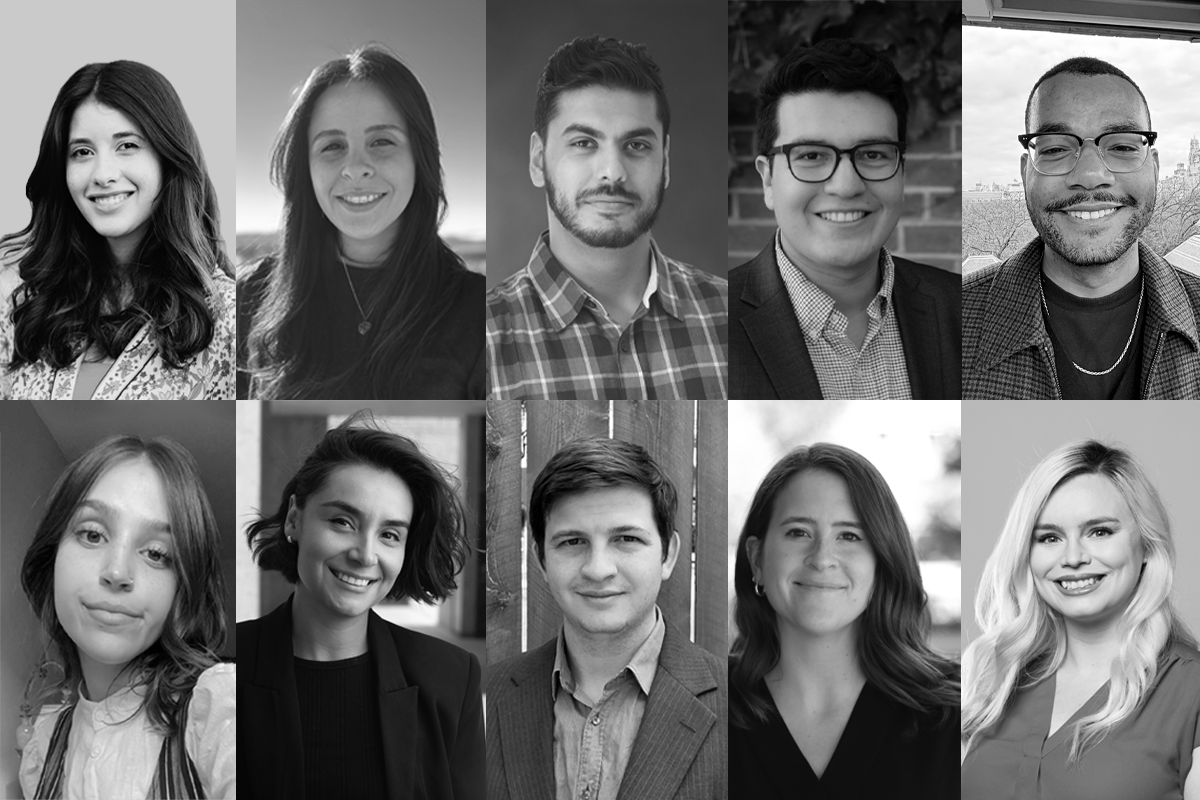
(891, 645)
(291, 340)
(69, 277)
(1024, 640)
(437, 544)
(195, 627)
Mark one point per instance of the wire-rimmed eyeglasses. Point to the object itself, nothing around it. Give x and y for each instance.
(1058, 153)
(816, 163)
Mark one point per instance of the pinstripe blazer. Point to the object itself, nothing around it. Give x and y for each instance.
(768, 359)
(1008, 355)
(681, 749)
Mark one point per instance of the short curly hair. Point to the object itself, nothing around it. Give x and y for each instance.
(437, 544)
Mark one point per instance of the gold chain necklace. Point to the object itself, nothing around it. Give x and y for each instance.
(365, 325)
(1129, 341)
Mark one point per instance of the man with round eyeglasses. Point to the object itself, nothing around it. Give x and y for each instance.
(1084, 311)
(825, 311)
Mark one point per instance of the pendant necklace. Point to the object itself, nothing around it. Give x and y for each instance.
(365, 325)
(1129, 341)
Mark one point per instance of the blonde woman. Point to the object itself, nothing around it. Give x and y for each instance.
(1085, 683)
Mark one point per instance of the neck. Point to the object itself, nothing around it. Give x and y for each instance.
(823, 668)
(1091, 649)
(367, 252)
(852, 288)
(102, 680)
(596, 658)
(1090, 281)
(617, 277)
(320, 635)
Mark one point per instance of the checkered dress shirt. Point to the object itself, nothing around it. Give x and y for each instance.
(548, 338)
(874, 372)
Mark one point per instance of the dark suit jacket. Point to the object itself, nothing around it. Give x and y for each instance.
(768, 359)
(430, 712)
(680, 750)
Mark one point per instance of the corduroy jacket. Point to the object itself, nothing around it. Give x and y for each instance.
(1007, 353)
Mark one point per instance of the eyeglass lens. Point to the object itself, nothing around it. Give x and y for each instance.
(815, 162)
(1057, 154)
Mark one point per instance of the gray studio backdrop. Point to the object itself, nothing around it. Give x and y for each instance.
(687, 40)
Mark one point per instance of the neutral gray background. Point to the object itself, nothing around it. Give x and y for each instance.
(688, 42)
(1004, 440)
(45, 43)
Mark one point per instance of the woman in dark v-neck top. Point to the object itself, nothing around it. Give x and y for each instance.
(825, 562)
(1083, 572)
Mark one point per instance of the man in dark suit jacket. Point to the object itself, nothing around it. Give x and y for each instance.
(825, 311)
(601, 517)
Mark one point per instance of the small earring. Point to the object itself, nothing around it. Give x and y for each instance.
(291, 540)
(758, 589)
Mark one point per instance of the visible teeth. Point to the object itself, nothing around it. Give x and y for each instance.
(361, 199)
(843, 216)
(1078, 584)
(352, 581)
(1092, 214)
(110, 200)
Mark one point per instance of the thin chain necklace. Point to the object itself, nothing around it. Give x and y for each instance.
(365, 325)
(1129, 341)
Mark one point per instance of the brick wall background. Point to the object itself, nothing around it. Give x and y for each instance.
(930, 228)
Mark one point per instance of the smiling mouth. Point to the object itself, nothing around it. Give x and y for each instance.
(364, 199)
(842, 216)
(352, 580)
(1089, 215)
(110, 200)
(1079, 585)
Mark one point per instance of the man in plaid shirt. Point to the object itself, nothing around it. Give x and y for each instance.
(1084, 311)
(599, 312)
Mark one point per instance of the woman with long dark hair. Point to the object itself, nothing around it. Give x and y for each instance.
(1085, 682)
(334, 701)
(364, 299)
(124, 573)
(834, 691)
(124, 289)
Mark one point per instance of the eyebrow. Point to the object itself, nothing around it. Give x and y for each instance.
(342, 505)
(117, 135)
(383, 126)
(864, 140)
(588, 130)
(810, 521)
(616, 529)
(1112, 127)
(103, 508)
(1087, 524)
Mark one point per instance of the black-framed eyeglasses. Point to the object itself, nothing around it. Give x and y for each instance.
(1058, 153)
(816, 163)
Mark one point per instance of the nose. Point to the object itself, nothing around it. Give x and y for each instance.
(1090, 171)
(364, 552)
(599, 564)
(821, 553)
(845, 181)
(104, 169)
(611, 165)
(357, 165)
(117, 573)
(1075, 555)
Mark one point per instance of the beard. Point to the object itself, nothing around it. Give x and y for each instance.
(1082, 250)
(613, 235)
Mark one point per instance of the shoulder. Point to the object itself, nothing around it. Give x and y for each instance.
(1185, 659)
(1191, 285)
(467, 301)
(434, 664)
(980, 281)
(943, 280)
(513, 299)
(501, 674)
(705, 282)
(213, 696)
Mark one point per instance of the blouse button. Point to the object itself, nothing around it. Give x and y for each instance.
(96, 751)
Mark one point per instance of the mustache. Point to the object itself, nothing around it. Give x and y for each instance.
(1092, 197)
(609, 191)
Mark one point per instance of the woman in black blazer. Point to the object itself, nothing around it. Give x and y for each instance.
(332, 700)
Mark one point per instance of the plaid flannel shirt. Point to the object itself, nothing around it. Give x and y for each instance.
(548, 338)
(1007, 353)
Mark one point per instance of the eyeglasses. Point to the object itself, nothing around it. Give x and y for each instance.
(816, 163)
(1058, 153)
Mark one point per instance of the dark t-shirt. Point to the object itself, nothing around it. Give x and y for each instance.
(1093, 332)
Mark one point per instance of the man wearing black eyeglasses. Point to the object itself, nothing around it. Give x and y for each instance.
(1084, 311)
(825, 311)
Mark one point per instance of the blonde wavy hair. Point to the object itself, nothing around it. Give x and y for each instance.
(1024, 640)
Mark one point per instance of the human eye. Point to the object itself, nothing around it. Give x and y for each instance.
(159, 556)
(1102, 532)
(796, 533)
(850, 536)
(639, 146)
(341, 522)
(78, 153)
(570, 541)
(383, 141)
(89, 535)
(583, 144)
(1046, 538)
(127, 146)
(810, 155)
(331, 147)
(393, 535)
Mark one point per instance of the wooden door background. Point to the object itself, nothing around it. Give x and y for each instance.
(686, 438)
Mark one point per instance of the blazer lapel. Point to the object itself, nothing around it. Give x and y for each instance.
(127, 366)
(774, 332)
(397, 710)
(275, 707)
(674, 726)
(921, 333)
(526, 724)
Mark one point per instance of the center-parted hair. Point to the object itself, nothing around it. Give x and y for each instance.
(194, 630)
(598, 61)
(70, 288)
(841, 66)
(1024, 641)
(1082, 65)
(291, 339)
(600, 463)
(893, 629)
(437, 544)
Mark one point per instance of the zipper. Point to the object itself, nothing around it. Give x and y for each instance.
(1153, 364)
(1053, 370)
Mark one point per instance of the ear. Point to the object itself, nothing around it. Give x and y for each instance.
(1024, 171)
(1154, 155)
(763, 165)
(537, 160)
(291, 523)
(672, 555)
(754, 553)
(667, 162)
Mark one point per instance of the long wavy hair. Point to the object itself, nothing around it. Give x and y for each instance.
(438, 544)
(291, 341)
(1024, 641)
(194, 630)
(891, 646)
(72, 294)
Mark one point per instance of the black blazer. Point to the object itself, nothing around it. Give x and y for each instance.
(431, 713)
(768, 359)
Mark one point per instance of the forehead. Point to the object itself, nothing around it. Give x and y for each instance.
(368, 489)
(94, 118)
(602, 509)
(610, 111)
(839, 119)
(352, 107)
(1087, 104)
(132, 486)
(816, 492)
(1085, 496)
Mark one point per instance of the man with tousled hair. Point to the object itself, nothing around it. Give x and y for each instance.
(1084, 311)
